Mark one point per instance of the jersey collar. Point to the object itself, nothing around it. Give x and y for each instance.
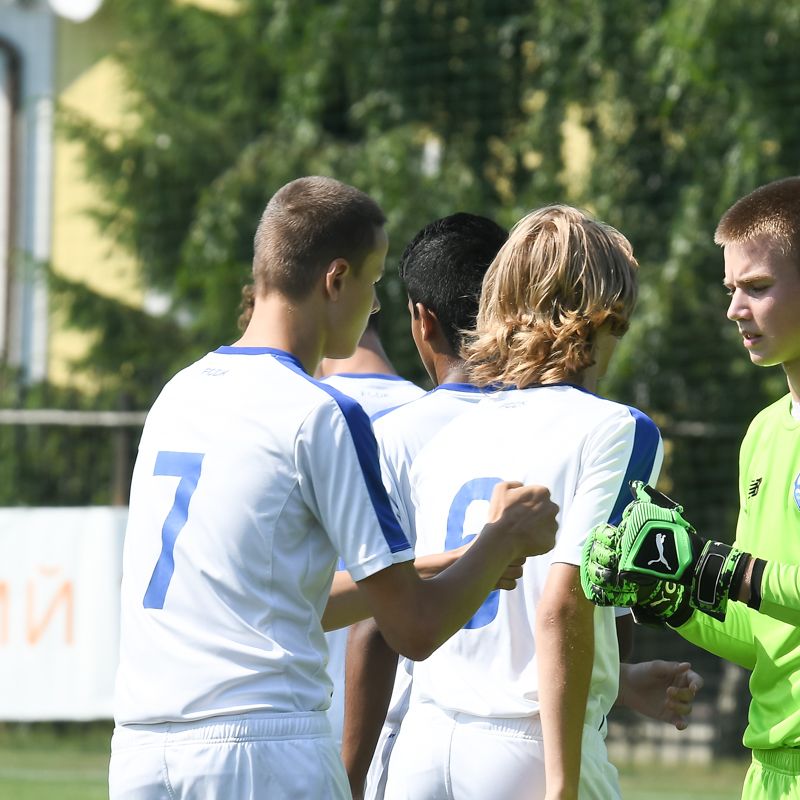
(281, 355)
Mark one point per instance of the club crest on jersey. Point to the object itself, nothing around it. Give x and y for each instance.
(797, 490)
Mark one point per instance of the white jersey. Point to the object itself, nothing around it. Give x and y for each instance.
(250, 478)
(585, 450)
(402, 435)
(375, 393)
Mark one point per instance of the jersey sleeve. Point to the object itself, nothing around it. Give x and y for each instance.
(337, 462)
(395, 463)
(625, 447)
(732, 639)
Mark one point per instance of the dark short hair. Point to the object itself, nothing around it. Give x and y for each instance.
(307, 224)
(771, 210)
(444, 265)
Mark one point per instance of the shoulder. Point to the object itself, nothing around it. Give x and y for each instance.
(431, 409)
(336, 402)
(374, 392)
(769, 428)
(593, 409)
(775, 413)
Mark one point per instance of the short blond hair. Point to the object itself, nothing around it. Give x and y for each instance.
(307, 224)
(771, 210)
(559, 278)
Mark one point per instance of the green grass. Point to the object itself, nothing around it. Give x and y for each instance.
(70, 762)
(721, 780)
(54, 761)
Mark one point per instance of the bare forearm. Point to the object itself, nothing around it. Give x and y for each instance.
(441, 605)
(346, 604)
(370, 672)
(565, 651)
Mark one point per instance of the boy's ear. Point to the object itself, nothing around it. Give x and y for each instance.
(429, 323)
(334, 277)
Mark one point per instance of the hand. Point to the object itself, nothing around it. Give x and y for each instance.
(652, 602)
(663, 690)
(513, 572)
(656, 561)
(432, 565)
(525, 513)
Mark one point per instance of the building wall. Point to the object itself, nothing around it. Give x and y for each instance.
(89, 82)
(28, 34)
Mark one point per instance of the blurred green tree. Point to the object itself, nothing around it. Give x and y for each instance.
(655, 115)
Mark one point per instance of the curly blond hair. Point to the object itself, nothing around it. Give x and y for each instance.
(559, 278)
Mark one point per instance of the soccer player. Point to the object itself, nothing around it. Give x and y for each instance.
(442, 269)
(369, 377)
(517, 699)
(760, 237)
(251, 476)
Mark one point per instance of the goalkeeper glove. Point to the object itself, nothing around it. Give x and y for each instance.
(656, 562)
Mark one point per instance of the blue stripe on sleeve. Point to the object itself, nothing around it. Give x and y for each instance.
(640, 465)
(367, 452)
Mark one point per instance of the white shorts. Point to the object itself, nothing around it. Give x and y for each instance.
(375, 784)
(441, 755)
(256, 756)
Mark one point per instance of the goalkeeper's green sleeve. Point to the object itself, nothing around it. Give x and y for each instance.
(732, 639)
(776, 592)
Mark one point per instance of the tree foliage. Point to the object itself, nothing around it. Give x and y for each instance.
(655, 114)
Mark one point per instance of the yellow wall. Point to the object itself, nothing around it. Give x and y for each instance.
(88, 81)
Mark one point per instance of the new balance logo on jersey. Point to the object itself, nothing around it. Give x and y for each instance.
(755, 485)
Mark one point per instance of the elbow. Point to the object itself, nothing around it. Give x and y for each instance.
(415, 643)
(418, 651)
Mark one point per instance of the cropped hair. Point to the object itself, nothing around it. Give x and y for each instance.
(443, 268)
(307, 224)
(771, 210)
(559, 278)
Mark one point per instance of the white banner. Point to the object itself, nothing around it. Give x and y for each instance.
(60, 571)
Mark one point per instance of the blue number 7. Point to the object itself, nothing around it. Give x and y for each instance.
(185, 466)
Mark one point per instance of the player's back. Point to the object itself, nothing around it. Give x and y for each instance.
(584, 449)
(402, 434)
(241, 471)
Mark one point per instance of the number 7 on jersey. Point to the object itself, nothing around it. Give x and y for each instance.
(185, 466)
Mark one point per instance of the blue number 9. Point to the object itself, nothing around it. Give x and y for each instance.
(476, 489)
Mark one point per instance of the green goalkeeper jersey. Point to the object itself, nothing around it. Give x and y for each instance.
(769, 528)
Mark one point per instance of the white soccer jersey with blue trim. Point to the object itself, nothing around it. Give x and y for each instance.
(250, 478)
(374, 392)
(585, 450)
(402, 434)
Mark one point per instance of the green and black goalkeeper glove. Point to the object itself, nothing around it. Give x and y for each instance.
(656, 563)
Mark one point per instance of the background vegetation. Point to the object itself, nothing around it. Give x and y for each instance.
(654, 114)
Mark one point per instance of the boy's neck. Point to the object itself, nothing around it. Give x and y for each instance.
(285, 325)
(450, 369)
(369, 358)
(793, 380)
